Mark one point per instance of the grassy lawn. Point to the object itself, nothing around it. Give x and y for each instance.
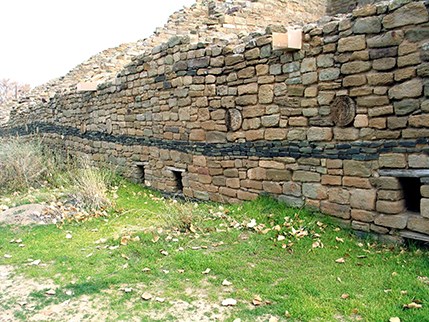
(276, 262)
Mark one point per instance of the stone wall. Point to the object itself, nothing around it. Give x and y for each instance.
(341, 126)
(347, 6)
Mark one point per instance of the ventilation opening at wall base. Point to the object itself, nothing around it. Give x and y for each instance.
(411, 189)
(140, 173)
(178, 178)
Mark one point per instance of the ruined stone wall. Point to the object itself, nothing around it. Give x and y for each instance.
(341, 126)
(347, 6)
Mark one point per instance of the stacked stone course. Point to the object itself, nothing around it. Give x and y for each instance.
(341, 126)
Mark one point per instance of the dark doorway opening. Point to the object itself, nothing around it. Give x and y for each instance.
(178, 177)
(411, 188)
(140, 173)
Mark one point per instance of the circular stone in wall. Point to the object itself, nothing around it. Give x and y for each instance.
(233, 119)
(343, 111)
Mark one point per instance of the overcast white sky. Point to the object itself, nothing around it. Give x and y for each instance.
(44, 39)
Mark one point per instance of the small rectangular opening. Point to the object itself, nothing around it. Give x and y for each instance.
(411, 188)
(140, 172)
(179, 180)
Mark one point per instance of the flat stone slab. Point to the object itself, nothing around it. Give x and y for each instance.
(24, 215)
(417, 173)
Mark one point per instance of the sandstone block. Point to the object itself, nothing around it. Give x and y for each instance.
(355, 67)
(292, 201)
(275, 134)
(379, 229)
(228, 192)
(248, 89)
(418, 161)
(388, 39)
(373, 100)
(329, 74)
(354, 80)
(419, 120)
(291, 188)
(392, 160)
(410, 60)
(424, 207)
(339, 195)
(386, 183)
(392, 195)
(234, 59)
(270, 120)
(308, 65)
(272, 187)
(357, 225)
(363, 199)
(266, 94)
(392, 221)
(390, 207)
(357, 168)
(360, 121)
(410, 14)
(257, 174)
(306, 176)
(233, 183)
(406, 106)
(247, 100)
(368, 25)
(346, 134)
(309, 78)
(331, 180)
(412, 88)
(418, 223)
(246, 195)
(314, 191)
(278, 175)
(215, 137)
(251, 184)
(319, 134)
(197, 135)
(340, 211)
(363, 215)
(269, 164)
(353, 43)
(253, 135)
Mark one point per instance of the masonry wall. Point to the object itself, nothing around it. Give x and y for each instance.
(341, 126)
(346, 6)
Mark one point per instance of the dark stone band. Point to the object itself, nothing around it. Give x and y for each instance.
(359, 150)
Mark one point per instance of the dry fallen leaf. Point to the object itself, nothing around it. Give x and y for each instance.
(206, 271)
(125, 240)
(395, 319)
(345, 296)
(226, 283)
(160, 299)
(155, 238)
(7, 256)
(340, 240)
(257, 301)
(69, 236)
(146, 269)
(146, 296)
(229, 302)
(412, 305)
(50, 292)
(163, 252)
(340, 260)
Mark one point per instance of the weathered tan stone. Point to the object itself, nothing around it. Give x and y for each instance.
(355, 67)
(409, 60)
(418, 223)
(412, 88)
(228, 192)
(352, 43)
(270, 164)
(197, 135)
(306, 176)
(257, 174)
(390, 38)
(292, 189)
(254, 135)
(319, 134)
(424, 207)
(266, 94)
(357, 225)
(275, 134)
(278, 175)
(251, 184)
(393, 221)
(357, 168)
(379, 229)
(424, 190)
(314, 191)
(354, 80)
(380, 79)
(246, 195)
(363, 215)
(346, 134)
(341, 211)
(331, 180)
(339, 195)
(272, 187)
(392, 160)
(419, 120)
(392, 195)
(390, 207)
(363, 199)
(410, 14)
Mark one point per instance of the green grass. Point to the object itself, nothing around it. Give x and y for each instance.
(288, 275)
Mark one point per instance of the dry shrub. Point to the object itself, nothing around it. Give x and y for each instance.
(24, 164)
(182, 216)
(90, 186)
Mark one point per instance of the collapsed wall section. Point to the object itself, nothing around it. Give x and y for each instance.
(341, 126)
